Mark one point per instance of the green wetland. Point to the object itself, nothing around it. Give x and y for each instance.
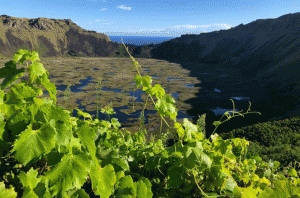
(117, 82)
(116, 75)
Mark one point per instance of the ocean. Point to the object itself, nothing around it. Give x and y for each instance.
(139, 40)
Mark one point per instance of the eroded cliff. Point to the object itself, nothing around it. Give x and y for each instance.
(53, 37)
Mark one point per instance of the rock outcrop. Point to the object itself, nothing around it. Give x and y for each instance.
(266, 50)
(53, 37)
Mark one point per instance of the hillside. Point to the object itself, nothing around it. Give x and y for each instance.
(265, 50)
(54, 37)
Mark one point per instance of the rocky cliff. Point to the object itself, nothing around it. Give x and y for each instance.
(53, 37)
(267, 50)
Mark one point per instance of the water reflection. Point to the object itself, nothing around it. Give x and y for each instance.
(189, 85)
(171, 78)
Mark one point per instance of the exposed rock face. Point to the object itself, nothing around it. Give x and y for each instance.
(267, 50)
(52, 37)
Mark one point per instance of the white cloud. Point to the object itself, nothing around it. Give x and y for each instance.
(103, 9)
(124, 8)
(178, 30)
(97, 20)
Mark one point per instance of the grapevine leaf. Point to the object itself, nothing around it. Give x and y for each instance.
(230, 184)
(51, 88)
(37, 70)
(292, 172)
(116, 124)
(245, 192)
(20, 92)
(165, 106)
(87, 137)
(2, 94)
(179, 128)
(176, 176)
(222, 145)
(71, 172)
(8, 193)
(144, 81)
(29, 179)
(190, 129)
(158, 91)
(81, 113)
(194, 155)
(148, 193)
(138, 80)
(126, 188)
(11, 74)
(142, 190)
(20, 56)
(119, 175)
(122, 163)
(201, 123)
(2, 125)
(33, 143)
(103, 179)
(34, 56)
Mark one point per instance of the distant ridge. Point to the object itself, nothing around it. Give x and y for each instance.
(266, 50)
(54, 37)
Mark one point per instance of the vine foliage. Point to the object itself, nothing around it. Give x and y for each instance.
(45, 152)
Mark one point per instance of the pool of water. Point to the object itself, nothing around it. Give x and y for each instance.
(138, 98)
(122, 117)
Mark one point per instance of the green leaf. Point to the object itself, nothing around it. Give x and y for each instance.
(176, 176)
(37, 70)
(148, 193)
(87, 135)
(179, 128)
(119, 175)
(103, 179)
(7, 193)
(201, 123)
(141, 189)
(292, 172)
(11, 74)
(33, 143)
(116, 124)
(125, 188)
(71, 172)
(20, 56)
(49, 86)
(165, 107)
(195, 156)
(20, 92)
(144, 81)
(34, 56)
(81, 113)
(158, 91)
(29, 179)
(190, 129)
(222, 145)
(122, 163)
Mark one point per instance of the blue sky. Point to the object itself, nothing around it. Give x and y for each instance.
(164, 18)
